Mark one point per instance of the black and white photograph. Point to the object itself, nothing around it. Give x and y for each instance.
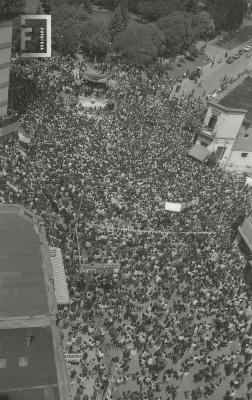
(125, 200)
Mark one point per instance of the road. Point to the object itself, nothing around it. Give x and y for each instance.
(212, 76)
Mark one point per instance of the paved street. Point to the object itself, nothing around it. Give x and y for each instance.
(212, 76)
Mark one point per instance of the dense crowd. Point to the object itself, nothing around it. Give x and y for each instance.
(174, 316)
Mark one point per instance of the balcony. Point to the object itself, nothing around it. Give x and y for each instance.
(208, 132)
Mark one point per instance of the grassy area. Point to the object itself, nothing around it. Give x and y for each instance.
(239, 38)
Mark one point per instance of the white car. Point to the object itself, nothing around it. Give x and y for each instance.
(247, 48)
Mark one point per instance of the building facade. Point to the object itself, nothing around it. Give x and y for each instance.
(227, 127)
(5, 59)
(31, 358)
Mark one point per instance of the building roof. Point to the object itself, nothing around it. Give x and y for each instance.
(22, 281)
(199, 152)
(29, 369)
(44, 393)
(5, 58)
(243, 140)
(39, 355)
(245, 230)
(60, 283)
(238, 96)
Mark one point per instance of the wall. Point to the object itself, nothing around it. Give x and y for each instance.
(238, 163)
(228, 123)
(5, 56)
(228, 143)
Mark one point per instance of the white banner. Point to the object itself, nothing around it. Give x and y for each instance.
(23, 138)
(176, 207)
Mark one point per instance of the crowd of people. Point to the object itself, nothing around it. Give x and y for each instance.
(171, 323)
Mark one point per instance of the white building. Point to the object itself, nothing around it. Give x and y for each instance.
(5, 57)
(227, 129)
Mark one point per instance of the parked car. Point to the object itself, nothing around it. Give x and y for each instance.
(199, 71)
(195, 74)
(247, 48)
(230, 60)
(236, 56)
(190, 58)
(214, 94)
(241, 51)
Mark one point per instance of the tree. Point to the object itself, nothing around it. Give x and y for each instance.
(190, 5)
(180, 29)
(227, 14)
(119, 19)
(108, 4)
(154, 9)
(10, 9)
(140, 44)
(236, 9)
(46, 6)
(133, 6)
(94, 38)
(66, 27)
(86, 4)
(206, 25)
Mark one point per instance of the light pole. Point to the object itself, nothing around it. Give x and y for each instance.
(61, 37)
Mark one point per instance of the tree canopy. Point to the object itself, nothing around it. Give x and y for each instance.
(178, 30)
(119, 19)
(206, 25)
(140, 44)
(108, 4)
(10, 9)
(227, 14)
(183, 28)
(154, 9)
(66, 26)
(94, 38)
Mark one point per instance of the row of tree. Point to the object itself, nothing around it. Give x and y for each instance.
(227, 14)
(171, 34)
(174, 27)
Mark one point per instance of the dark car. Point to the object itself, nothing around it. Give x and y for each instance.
(230, 60)
(194, 74)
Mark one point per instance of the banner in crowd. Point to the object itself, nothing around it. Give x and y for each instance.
(175, 207)
(112, 228)
(103, 268)
(24, 136)
(178, 207)
(248, 181)
(73, 357)
(76, 74)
